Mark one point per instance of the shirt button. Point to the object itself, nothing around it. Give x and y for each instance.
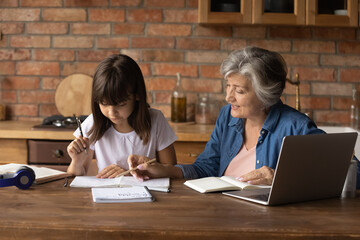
(260, 141)
(257, 161)
(262, 132)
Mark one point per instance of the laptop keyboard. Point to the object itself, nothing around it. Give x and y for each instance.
(261, 197)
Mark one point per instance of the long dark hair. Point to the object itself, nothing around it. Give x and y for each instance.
(117, 78)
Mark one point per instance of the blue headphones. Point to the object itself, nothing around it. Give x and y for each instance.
(23, 178)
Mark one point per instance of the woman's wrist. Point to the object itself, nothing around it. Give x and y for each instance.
(173, 171)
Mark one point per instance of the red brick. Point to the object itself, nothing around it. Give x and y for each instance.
(129, 28)
(47, 28)
(113, 42)
(331, 89)
(145, 69)
(73, 42)
(159, 83)
(172, 30)
(79, 67)
(38, 68)
(47, 110)
(314, 103)
(332, 117)
(349, 47)
(350, 75)
(41, 3)
(212, 31)
(162, 56)
(290, 32)
(342, 103)
(272, 45)
(291, 89)
(90, 28)
(8, 3)
(206, 57)
(36, 96)
(125, 3)
(50, 83)
(334, 33)
(91, 55)
(198, 43)
(181, 16)
(53, 55)
(8, 97)
(340, 60)
(162, 97)
(162, 3)
(134, 54)
(314, 46)
(301, 59)
(169, 69)
(7, 68)
(106, 15)
(30, 41)
(12, 28)
(201, 85)
(23, 110)
(86, 3)
(210, 71)
(233, 44)
(315, 74)
(152, 42)
(192, 3)
(14, 54)
(144, 15)
(250, 32)
(4, 41)
(25, 15)
(16, 83)
(64, 14)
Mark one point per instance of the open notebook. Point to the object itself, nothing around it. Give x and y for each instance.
(309, 167)
(42, 174)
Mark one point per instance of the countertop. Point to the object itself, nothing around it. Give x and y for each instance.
(189, 132)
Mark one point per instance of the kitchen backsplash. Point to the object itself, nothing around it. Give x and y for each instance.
(42, 42)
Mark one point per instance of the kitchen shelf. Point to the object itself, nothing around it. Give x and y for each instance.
(305, 13)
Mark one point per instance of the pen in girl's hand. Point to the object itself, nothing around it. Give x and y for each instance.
(80, 129)
(133, 169)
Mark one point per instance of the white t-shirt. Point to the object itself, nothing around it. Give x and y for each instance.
(115, 147)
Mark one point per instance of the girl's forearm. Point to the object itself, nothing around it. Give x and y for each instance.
(76, 169)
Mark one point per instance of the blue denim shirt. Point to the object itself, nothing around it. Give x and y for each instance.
(227, 138)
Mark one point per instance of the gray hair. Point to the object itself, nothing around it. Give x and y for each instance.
(265, 70)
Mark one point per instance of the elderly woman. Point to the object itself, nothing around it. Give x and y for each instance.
(248, 133)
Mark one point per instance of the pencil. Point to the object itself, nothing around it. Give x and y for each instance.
(133, 169)
(80, 129)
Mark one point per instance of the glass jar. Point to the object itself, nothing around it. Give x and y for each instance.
(207, 110)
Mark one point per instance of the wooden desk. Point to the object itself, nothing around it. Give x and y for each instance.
(51, 211)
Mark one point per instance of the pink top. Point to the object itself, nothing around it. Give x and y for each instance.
(242, 163)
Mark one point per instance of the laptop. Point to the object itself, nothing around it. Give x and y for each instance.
(309, 167)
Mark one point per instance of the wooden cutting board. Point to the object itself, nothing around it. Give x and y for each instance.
(73, 95)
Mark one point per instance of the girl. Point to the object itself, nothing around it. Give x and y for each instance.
(121, 123)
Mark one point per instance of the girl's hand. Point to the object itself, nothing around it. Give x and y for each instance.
(110, 171)
(263, 175)
(76, 149)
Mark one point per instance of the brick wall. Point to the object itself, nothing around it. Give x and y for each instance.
(43, 41)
